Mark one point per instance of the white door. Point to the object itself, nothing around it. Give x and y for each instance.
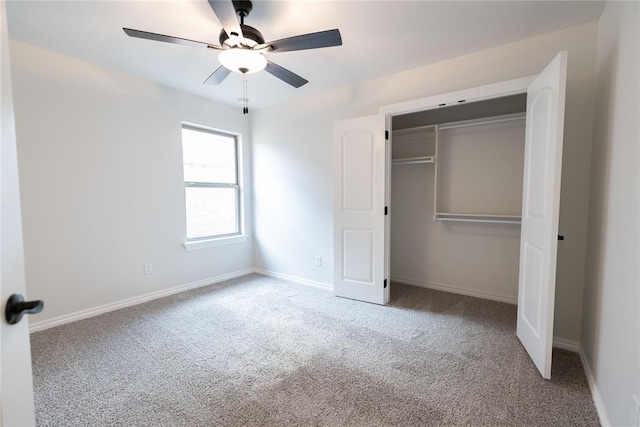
(540, 208)
(359, 209)
(16, 384)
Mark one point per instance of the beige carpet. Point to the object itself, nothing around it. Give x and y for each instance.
(260, 351)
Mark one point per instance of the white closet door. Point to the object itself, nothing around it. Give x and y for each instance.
(359, 173)
(540, 208)
(16, 391)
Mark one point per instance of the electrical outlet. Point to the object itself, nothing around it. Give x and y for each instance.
(318, 261)
(148, 268)
(635, 411)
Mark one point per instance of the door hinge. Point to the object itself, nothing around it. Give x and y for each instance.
(386, 134)
(385, 283)
(560, 237)
(386, 210)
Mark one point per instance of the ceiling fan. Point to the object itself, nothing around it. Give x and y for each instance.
(242, 47)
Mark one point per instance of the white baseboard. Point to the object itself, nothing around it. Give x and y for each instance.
(95, 311)
(566, 344)
(319, 285)
(454, 289)
(595, 393)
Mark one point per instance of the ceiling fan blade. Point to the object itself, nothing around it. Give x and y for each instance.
(308, 41)
(217, 76)
(168, 39)
(285, 75)
(226, 13)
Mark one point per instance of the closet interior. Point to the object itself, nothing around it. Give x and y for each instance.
(456, 197)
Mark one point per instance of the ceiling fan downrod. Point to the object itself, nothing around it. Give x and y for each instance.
(243, 9)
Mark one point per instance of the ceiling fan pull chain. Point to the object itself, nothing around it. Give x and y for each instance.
(245, 109)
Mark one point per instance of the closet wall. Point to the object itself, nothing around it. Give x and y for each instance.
(479, 168)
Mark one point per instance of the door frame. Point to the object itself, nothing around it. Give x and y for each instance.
(480, 93)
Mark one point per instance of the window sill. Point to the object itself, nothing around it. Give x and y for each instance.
(210, 243)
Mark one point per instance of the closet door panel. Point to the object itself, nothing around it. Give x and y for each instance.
(540, 212)
(357, 171)
(532, 287)
(359, 197)
(538, 156)
(358, 247)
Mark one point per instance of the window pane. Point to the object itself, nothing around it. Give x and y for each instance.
(211, 211)
(208, 157)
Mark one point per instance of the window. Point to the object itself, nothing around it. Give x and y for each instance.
(211, 184)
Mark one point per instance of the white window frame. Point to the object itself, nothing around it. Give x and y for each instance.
(219, 239)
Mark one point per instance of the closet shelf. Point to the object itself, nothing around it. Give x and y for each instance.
(490, 218)
(414, 160)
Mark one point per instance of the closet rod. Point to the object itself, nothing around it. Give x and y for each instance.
(413, 160)
(444, 127)
(494, 221)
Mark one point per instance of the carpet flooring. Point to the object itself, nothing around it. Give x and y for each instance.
(259, 351)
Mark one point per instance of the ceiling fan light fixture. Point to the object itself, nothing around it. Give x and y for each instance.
(243, 61)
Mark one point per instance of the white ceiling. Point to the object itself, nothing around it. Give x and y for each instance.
(379, 37)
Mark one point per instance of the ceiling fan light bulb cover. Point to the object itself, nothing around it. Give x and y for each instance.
(247, 60)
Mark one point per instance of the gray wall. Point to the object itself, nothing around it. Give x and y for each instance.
(100, 161)
(611, 325)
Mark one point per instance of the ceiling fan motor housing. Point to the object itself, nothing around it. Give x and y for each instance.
(249, 33)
